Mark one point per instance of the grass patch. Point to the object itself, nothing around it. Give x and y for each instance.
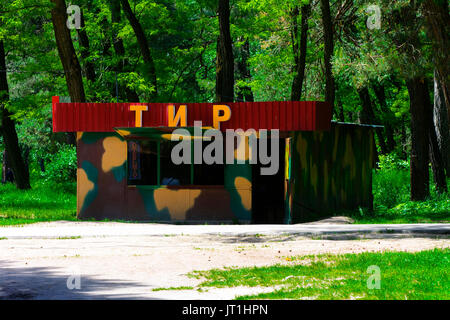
(403, 219)
(68, 238)
(421, 275)
(392, 204)
(43, 202)
(173, 288)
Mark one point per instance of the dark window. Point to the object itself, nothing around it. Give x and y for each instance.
(212, 174)
(142, 162)
(172, 174)
(143, 156)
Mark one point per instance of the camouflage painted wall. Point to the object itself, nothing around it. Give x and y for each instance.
(330, 171)
(324, 172)
(102, 190)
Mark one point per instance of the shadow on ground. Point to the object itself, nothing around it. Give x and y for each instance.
(51, 283)
(336, 236)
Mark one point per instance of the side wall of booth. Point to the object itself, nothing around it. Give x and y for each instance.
(330, 171)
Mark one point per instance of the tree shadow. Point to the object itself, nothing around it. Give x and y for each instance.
(39, 283)
(357, 235)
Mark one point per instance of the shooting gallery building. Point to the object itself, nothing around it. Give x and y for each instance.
(125, 170)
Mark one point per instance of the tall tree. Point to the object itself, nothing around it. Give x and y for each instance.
(8, 130)
(299, 47)
(68, 57)
(225, 58)
(368, 116)
(437, 164)
(438, 24)
(123, 63)
(328, 50)
(378, 88)
(420, 177)
(143, 45)
(66, 51)
(410, 47)
(243, 91)
(441, 124)
(85, 51)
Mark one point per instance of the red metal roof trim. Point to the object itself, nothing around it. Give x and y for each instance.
(282, 115)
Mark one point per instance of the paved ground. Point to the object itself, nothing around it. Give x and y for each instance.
(122, 260)
(107, 229)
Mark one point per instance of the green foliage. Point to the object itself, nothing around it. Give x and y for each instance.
(63, 165)
(437, 206)
(390, 182)
(389, 162)
(391, 194)
(182, 35)
(43, 202)
(421, 275)
(390, 187)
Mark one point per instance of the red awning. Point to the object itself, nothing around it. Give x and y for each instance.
(282, 115)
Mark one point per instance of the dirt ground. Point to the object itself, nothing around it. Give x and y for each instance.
(130, 267)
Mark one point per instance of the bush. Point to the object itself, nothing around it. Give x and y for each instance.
(391, 191)
(63, 165)
(392, 162)
(390, 187)
(438, 205)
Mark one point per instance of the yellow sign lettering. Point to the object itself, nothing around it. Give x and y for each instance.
(138, 113)
(179, 118)
(217, 118)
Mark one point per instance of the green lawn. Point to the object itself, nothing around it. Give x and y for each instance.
(421, 275)
(49, 201)
(44, 202)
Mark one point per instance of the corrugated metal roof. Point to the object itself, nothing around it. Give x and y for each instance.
(282, 115)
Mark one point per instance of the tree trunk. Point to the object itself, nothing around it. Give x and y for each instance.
(340, 107)
(299, 51)
(6, 170)
(420, 179)
(123, 63)
(441, 124)
(244, 92)
(68, 57)
(438, 24)
(67, 53)
(403, 138)
(437, 165)
(143, 45)
(225, 59)
(8, 130)
(368, 116)
(388, 115)
(85, 51)
(328, 50)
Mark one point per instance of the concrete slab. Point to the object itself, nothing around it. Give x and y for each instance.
(66, 229)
